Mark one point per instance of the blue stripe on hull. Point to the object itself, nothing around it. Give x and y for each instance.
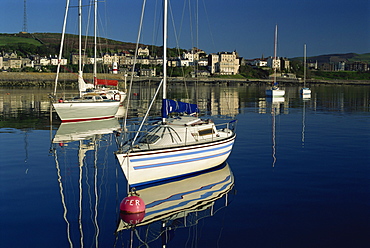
(179, 155)
(180, 161)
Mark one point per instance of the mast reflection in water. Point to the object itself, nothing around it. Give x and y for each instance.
(82, 140)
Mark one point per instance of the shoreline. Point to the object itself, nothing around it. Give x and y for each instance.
(40, 79)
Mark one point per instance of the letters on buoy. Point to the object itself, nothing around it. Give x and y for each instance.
(132, 209)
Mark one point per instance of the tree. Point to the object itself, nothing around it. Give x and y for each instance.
(250, 72)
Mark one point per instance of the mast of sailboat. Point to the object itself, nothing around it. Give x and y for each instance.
(164, 86)
(95, 31)
(304, 65)
(275, 51)
(61, 46)
(80, 76)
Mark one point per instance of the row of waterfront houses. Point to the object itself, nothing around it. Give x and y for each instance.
(221, 63)
(13, 61)
(285, 64)
(224, 63)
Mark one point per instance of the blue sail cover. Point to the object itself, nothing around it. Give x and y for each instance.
(170, 106)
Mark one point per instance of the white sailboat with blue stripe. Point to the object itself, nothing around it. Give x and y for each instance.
(175, 146)
(180, 146)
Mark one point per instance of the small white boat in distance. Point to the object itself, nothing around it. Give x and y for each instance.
(305, 91)
(275, 92)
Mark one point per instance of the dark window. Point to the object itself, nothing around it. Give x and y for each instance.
(149, 139)
(205, 132)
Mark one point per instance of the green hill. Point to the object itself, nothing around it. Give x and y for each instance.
(45, 44)
(361, 57)
(10, 40)
(346, 57)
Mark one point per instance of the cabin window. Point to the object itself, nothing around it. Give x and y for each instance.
(205, 132)
(149, 139)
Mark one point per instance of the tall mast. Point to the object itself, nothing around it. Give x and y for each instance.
(95, 53)
(304, 65)
(80, 77)
(164, 52)
(275, 51)
(164, 48)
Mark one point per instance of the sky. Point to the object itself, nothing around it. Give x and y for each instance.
(326, 26)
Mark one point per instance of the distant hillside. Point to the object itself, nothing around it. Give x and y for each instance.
(45, 44)
(6, 40)
(72, 41)
(347, 57)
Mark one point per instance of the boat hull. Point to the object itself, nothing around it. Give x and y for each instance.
(145, 167)
(275, 93)
(305, 91)
(86, 111)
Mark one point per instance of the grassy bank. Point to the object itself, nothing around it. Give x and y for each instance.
(341, 75)
(14, 79)
(44, 79)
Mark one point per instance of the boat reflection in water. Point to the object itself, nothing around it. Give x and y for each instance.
(74, 131)
(86, 144)
(178, 204)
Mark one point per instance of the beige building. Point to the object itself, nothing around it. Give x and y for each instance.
(213, 63)
(193, 55)
(285, 64)
(274, 63)
(143, 51)
(11, 63)
(55, 61)
(10, 60)
(224, 63)
(74, 58)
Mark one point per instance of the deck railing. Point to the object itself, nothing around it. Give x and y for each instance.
(128, 136)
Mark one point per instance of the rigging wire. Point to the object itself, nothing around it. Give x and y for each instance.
(209, 25)
(133, 66)
(177, 38)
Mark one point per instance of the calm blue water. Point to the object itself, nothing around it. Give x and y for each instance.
(303, 182)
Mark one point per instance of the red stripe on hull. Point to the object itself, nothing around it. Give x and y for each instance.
(89, 119)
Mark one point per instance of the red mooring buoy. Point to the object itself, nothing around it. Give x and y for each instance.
(132, 219)
(132, 209)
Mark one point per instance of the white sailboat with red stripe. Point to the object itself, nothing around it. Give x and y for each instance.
(83, 107)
